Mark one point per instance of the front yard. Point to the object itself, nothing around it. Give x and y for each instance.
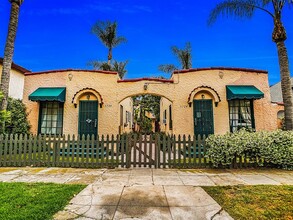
(255, 202)
(34, 201)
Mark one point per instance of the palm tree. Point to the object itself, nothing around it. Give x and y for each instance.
(246, 9)
(184, 57)
(106, 31)
(9, 50)
(100, 65)
(119, 67)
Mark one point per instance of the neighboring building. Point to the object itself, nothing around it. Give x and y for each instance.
(16, 82)
(195, 101)
(276, 92)
(152, 117)
(277, 97)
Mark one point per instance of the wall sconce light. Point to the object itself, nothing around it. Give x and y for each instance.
(70, 76)
(145, 86)
(88, 96)
(203, 96)
(221, 74)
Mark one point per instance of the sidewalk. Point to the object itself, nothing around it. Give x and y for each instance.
(144, 193)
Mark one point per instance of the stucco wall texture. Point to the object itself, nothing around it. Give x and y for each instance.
(177, 90)
(126, 125)
(164, 106)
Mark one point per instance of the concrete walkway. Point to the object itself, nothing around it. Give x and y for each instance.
(144, 193)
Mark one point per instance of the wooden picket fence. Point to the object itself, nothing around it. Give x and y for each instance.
(153, 151)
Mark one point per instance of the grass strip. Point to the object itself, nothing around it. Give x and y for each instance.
(36, 201)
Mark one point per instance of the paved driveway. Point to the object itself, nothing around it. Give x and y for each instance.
(144, 193)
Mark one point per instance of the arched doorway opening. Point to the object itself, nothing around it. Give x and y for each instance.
(145, 113)
(280, 119)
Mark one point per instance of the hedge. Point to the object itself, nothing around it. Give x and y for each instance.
(274, 148)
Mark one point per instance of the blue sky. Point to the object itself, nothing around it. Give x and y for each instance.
(56, 34)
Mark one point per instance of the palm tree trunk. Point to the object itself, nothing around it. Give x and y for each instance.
(109, 56)
(279, 36)
(286, 84)
(8, 53)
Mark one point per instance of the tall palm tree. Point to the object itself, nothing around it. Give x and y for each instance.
(246, 9)
(106, 31)
(183, 56)
(9, 50)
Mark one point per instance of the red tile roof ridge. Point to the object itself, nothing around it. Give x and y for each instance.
(278, 103)
(71, 70)
(16, 67)
(146, 79)
(220, 68)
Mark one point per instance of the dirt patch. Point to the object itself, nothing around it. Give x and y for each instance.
(8, 169)
(83, 179)
(65, 170)
(35, 170)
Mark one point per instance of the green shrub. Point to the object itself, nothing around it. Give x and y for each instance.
(18, 123)
(270, 148)
(279, 149)
(5, 117)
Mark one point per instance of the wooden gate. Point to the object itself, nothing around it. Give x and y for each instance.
(142, 151)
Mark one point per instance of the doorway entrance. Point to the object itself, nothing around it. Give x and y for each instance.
(88, 118)
(203, 117)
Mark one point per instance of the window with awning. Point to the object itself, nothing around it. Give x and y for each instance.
(240, 98)
(51, 108)
(48, 94)
(243, 92)
(51, 117)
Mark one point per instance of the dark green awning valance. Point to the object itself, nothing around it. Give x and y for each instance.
(243, 92)
(48, 94)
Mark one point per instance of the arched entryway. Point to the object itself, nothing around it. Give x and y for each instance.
(203, 99)
(88, 101)
(145, 113)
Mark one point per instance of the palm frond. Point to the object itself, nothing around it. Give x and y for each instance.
(119, 40)
(167, 68)
(234, 8)
(120, 67)
(106, 31)
(184, 55)
(265, 2)
(100, 65)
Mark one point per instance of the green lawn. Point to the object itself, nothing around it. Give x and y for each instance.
(34, 201)
(255, 202)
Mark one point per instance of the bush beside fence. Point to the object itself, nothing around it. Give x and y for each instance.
(270, 149)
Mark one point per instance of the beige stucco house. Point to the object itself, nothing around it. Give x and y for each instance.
(194, 101)
(16, 82)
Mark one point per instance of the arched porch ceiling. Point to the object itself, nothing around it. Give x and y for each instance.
(83, 91)
(207, 89)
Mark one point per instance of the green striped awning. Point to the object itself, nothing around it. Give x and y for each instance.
(48, 94)
(243, 92)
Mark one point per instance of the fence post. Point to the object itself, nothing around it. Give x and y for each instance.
(127, 153)
(157, 145)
